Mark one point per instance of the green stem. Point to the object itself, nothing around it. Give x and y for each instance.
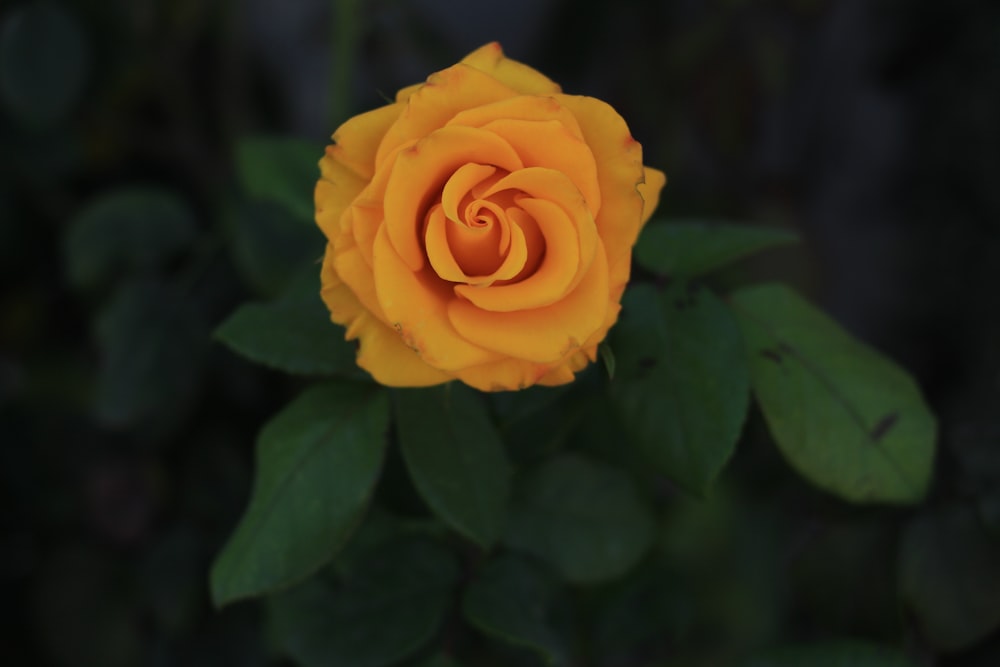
(345, 35)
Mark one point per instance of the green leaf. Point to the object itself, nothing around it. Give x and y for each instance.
(847, 418)
(689, 248)
(387, 609)
(683, 387)
(949, 574)
(456, 458)
(44, 62)
(317, 464)
(584, 518)
(135, 228)
(269, 245)
(845, 653)
(515, 601)
(152, 342)
(280, 170)
(294, 335)
(537, 421)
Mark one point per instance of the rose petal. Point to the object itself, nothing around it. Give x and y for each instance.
(528, 234)
(520, 77)
(554, 186)
(422, 170)
(556, 275)
(416, 305)
(381, 351)
(332, 197)
(619, 171)
(541, 334)
(432, 105)
(356, 142)
(475, 242)
(384, 354)
(504, 375)
(458, 186)
(365, 217)
(549, 144)
(350, 264)
(565, 372)
(340, 300)
(404, 94)
(522, 107)
(438, 252)
(367, 208)
(441, 254)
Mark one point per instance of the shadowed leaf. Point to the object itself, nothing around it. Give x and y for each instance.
(847, 418)
(317, 463)
(456, 458)
(689, 248)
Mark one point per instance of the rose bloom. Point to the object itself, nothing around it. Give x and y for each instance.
(481, 227)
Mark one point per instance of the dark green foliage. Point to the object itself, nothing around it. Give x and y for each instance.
(456, 459)
(45, 59)
(521, 603)
(269, 246)
(843, 415)
(948, 576)
(152, 343)
(136, 229)
(583, 518)
(386, 609)
(317, 463)
(683, 389)
(280, 170)
(292, 333)
(682, 249)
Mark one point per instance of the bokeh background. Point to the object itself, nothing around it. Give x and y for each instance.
(870, 127)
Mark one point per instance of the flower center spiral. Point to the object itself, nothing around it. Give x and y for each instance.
(477, 237)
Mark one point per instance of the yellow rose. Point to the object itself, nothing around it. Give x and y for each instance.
(481, 227)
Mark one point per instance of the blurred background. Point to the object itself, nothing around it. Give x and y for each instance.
(871, 127)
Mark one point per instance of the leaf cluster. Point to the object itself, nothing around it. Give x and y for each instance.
(549, 511)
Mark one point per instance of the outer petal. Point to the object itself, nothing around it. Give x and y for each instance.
(435, 103)
(504, 375)
(366, 211)
(416, 305)
(354, 270)
(340, 300)
(381, 351)
(384, 354)
(404, 94)
(522, 107)
(356, 142)
(565, 372)
(520, 77)
(619, 171)
(335, 190)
